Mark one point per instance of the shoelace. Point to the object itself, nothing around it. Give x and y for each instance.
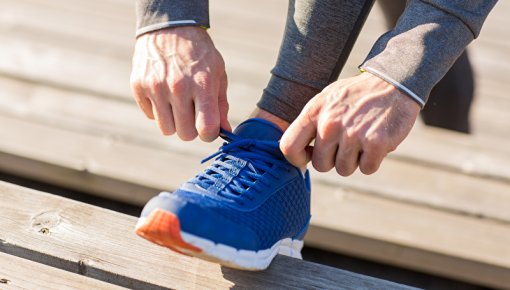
(249, 158)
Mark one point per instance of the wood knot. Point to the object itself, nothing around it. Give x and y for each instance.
(45, 221)
(4, 281)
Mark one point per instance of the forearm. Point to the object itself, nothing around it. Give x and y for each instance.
(153, 15)
(319, 36)
(426, 41)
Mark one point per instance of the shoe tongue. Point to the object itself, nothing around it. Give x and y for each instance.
(259, 129)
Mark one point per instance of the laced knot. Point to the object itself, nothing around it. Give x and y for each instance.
(239, 165)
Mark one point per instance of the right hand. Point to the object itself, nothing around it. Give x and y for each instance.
(179, 79)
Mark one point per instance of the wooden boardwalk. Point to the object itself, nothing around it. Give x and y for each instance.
(55, 243)
(439, 204)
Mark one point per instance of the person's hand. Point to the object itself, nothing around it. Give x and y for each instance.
(178, 79)
(355, 122)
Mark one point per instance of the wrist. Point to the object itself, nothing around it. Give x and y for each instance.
(406, 92)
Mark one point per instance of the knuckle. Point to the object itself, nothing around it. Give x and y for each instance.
(187, 135)
(342, 169)
(203, 79)
(321, 166)
(144, 88)
(311, 108)
(287, 148)
(375, 143)
(136, 87)
(368, 167)
(331, 126)
(375, 146)
(177, 85)
(206, 100)
(208, 131)
(167, 131)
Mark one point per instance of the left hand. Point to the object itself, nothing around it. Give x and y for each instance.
(355, 122)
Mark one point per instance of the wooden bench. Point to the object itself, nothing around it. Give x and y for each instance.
(439, 204)
(43, 235)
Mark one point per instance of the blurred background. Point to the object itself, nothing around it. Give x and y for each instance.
(436, 215)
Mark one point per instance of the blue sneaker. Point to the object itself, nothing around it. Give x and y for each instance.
(247, 206)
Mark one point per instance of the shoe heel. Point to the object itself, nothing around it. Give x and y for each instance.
(291, 248)
(163, 228)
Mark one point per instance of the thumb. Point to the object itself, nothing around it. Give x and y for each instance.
(296, 140)
(223, 104)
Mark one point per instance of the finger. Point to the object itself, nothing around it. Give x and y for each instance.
(371, 159)
(309, 153)
(161, 108)
(207, 116)
(184, 117)
(296, 139)
(146, 106)
(142, 101)
(164, 118)
(223, 104)
(347, 157)
(324, 153)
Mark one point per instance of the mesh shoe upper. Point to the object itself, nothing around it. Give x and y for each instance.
(249, 198)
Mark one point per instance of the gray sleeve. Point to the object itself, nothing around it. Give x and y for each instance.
(158, 14)
(428, 38)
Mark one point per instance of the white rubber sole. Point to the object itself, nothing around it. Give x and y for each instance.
(237, 258)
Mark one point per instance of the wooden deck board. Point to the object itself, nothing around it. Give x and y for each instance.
(101, 244)
(395, 226)
(466, 170)
(249, 55)
(67, 117)
(411, 236)
(17, 273)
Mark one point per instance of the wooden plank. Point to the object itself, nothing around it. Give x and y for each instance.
(248, 62)
(18, 273)
(474, 155)
(88, 57)
(441, 243)
(442, 190)
(79, 161)
(473, 177)
(101, 244)
(109, 132)
(404, 230)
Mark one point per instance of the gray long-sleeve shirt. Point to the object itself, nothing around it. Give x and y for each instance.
(413, 56)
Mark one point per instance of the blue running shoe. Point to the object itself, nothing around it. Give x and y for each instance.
(247, 206)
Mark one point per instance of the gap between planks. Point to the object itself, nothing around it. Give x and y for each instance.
(101, 244)
(397, 227)
(18, 273)
(464, 174)
(243, 60)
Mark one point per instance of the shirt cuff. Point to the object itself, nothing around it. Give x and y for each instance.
(154, 15)
(398, 85)
(419, 51)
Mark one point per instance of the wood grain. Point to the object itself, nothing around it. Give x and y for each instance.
(17, 273)
(31, 49)
(101, 244)
(416, 237)
(451, 179)
(67, 117)
(394, 226)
